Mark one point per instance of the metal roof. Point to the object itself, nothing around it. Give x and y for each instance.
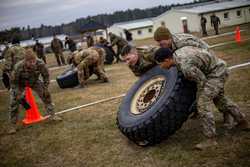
(135, 24)
(215, 6)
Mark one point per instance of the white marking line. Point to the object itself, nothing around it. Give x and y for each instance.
(122, 95)
(226, 43)
(221, 35)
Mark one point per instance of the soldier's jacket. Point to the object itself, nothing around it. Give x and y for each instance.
(203, 21)
(116, 40)
(199, 65)
(215, 21)
(146, 55)
(56, 45)
(12, 56)
(22, 76)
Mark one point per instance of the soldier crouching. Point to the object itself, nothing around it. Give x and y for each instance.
(89, 61)
(27, 73)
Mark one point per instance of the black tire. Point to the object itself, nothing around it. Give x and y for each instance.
(165, 115)
(68, 79)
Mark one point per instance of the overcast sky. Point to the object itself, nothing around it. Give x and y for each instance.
(54, 12)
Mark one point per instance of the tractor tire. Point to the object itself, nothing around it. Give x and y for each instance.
(156, 106)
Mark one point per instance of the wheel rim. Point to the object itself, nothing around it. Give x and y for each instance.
(147, 95)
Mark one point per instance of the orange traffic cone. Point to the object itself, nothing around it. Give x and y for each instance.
(32, 115)
(237, 34)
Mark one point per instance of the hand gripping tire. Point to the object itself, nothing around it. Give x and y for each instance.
(156, 106)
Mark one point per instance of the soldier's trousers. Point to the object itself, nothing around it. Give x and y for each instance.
(119, 50)
(17, 93)
(204, 30)
(59, 58)
(95, 62)
(213, 93)
(216, 29)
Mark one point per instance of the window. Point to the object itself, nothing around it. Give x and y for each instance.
(163, 23)
(226, 16)
(238, 13)
(150, 30)
(139, 32)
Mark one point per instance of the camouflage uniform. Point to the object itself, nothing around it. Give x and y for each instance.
(210, 74)
(57, 48)
(39, 50)
(12, 56)
(22, 77)
(119, 42)
(146, 55)
(215, 22)
(87, 60)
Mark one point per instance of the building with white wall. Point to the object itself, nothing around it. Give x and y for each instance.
(230, 12)
(140, 29)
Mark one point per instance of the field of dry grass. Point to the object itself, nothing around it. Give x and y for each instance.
(89, 136)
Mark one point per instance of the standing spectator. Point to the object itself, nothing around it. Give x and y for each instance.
(203, 25)
(215, 22)
(119, 42)
(12, 56)
(38, 48)
(129, 37)
(57, 48)
(71, 44)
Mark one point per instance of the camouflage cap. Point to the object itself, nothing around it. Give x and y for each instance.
(29, 54)
(162, 33)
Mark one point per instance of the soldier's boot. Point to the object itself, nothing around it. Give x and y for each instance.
(12, 129)
(208, 143)
(243, 125)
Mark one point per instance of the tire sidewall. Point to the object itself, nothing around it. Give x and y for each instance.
(126, 118)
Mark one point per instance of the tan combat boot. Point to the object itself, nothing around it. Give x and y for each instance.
(210, 142)
(12, 129)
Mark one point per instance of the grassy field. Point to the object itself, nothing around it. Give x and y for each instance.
(89, 136)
